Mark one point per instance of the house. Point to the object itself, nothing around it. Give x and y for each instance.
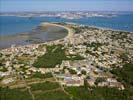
(2, 74)
(91, 81)
(8, 80)
(74, 80)
(103, 84)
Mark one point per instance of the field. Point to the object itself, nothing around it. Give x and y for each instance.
(12, 94)
(50, 91)
(41, 76)
(97, 93)
(41, 91)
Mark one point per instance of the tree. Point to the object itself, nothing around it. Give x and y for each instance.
(99, 79)
(83, 72)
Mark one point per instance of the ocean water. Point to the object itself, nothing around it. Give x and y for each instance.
(13, 25)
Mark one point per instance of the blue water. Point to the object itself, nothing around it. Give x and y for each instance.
(11, 24)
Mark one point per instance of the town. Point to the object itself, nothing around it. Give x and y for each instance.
(88, 55)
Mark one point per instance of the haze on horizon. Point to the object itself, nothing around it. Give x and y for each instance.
(65, 5)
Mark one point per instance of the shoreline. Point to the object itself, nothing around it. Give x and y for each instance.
(109, 29)
(69, 35)
(70, 32)
(103, 28)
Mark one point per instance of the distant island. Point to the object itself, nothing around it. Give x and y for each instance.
(63, 14)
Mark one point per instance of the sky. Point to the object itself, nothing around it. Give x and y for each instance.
(65, 5)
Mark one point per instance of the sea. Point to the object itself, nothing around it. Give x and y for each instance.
(13, 28)
(14, 24)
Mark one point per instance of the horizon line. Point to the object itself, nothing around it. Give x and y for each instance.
(66, 11)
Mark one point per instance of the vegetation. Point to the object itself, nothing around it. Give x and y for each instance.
(1, 54)
(41, 47)
(13, 94)
(124, 57)
(95, 45)
(97, 93)
(48, 91)
(78, 93)
(53, 95)
(77, 30)
(24, 59)
(83, 72)
(120, 35)
(100, 93)
(124, 74)
(54, 56)
(99, 79)
(91, 53)
(41, 91)
(1, 63)
(3, 69)
(71, 71)
(44, 86)
(42, 76)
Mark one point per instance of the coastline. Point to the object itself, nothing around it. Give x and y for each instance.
(113, 24)
(109, 29)
(68, 37)
(70, 33)
(103, 28)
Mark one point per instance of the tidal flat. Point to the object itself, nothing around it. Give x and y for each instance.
(38, 35)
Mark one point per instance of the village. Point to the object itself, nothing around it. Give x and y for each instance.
(100, 49)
